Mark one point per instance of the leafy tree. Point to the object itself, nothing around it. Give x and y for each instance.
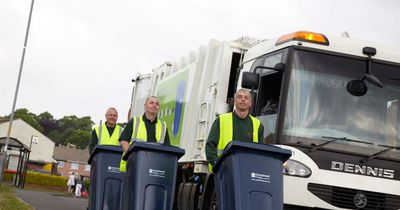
(80, 138)
(84, 123)
(48, 123)
(29, 118)
(69, 129)
(56, 137)
(74, 130)
(68, 122)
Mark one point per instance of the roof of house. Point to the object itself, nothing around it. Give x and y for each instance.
(71, 153)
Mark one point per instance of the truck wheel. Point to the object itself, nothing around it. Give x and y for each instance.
(212, 205)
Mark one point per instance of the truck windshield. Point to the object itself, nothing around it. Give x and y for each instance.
(319, 105)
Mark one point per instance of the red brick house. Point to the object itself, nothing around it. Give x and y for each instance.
(71, 159)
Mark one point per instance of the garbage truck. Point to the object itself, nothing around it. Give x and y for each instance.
(333, 101)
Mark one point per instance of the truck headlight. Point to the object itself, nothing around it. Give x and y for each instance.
(295, 168)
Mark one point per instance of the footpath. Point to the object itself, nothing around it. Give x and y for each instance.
(51, 200)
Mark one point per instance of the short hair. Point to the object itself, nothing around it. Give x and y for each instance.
(147, 99)
(242, 90)
(112, 108)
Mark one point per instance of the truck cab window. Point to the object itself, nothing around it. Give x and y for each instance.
(267, 101)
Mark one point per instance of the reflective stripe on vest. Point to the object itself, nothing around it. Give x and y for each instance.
(140, 133)
(104, 137)
(226, 131)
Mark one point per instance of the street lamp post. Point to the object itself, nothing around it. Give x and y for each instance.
(4, 156)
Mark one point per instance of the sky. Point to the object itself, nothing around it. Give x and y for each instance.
(81, 55)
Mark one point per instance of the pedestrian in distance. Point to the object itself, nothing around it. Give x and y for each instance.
(145, 128)
(78, 187)
(71, 182)
(107, 133)
(237, 125)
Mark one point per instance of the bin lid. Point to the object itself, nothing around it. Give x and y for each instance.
(104, 148)
(235, 145)
(142, 145)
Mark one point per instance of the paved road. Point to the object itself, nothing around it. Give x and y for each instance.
(51, 200)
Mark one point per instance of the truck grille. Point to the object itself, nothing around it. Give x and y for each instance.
(344, 197)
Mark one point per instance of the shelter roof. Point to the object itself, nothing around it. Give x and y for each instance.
(13, 143)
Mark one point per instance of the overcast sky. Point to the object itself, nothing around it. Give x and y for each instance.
(82, 54)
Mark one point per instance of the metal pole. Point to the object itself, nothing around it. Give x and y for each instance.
(16, 93)
(30, 144)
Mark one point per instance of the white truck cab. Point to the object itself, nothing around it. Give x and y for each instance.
(332, 101)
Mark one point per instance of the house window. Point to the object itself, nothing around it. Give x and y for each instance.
(60, 164)
(74, 166)
(87, 167)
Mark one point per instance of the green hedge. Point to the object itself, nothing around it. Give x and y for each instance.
(37, 178)
(8, 176)
(87, 184)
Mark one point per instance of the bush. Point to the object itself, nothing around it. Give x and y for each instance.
(36, 178)
(86, 182)
(8, 176)
(44, 181)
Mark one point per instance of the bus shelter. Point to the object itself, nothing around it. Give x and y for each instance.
(22, 152)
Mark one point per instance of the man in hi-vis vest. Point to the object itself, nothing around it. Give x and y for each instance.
(144, 128)
(107, 133)
(237, 125)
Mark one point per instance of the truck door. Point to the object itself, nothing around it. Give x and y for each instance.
(233, 77)
(269, 92)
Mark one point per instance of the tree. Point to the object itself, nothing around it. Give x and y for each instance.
(69, 129)
(84, 123)
(48, 123)
(28, 117)
(56, 137)
(74, 130)
(80, 138)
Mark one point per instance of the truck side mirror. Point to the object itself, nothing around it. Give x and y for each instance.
(250, 80)
(279, 67)
(357, 87)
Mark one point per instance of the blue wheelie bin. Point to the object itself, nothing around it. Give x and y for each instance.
(249, 176)
(150, 176)
(105, 178)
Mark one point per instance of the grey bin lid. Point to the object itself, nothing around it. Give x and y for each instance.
(104, 148)
(234, 146)
(141, 145)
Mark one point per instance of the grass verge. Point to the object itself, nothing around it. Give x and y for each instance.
(8, 200)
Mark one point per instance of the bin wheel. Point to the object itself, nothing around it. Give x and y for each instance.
(213, 202)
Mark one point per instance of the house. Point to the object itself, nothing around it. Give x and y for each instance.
(42, 148)
(71, 159)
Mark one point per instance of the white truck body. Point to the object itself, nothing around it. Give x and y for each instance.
(140, 92)
(336, 168)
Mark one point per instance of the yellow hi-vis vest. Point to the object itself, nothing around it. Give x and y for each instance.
(104, 137)
(226, 131)
(140, 133)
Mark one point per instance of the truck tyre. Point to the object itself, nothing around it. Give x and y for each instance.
(211, 202)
